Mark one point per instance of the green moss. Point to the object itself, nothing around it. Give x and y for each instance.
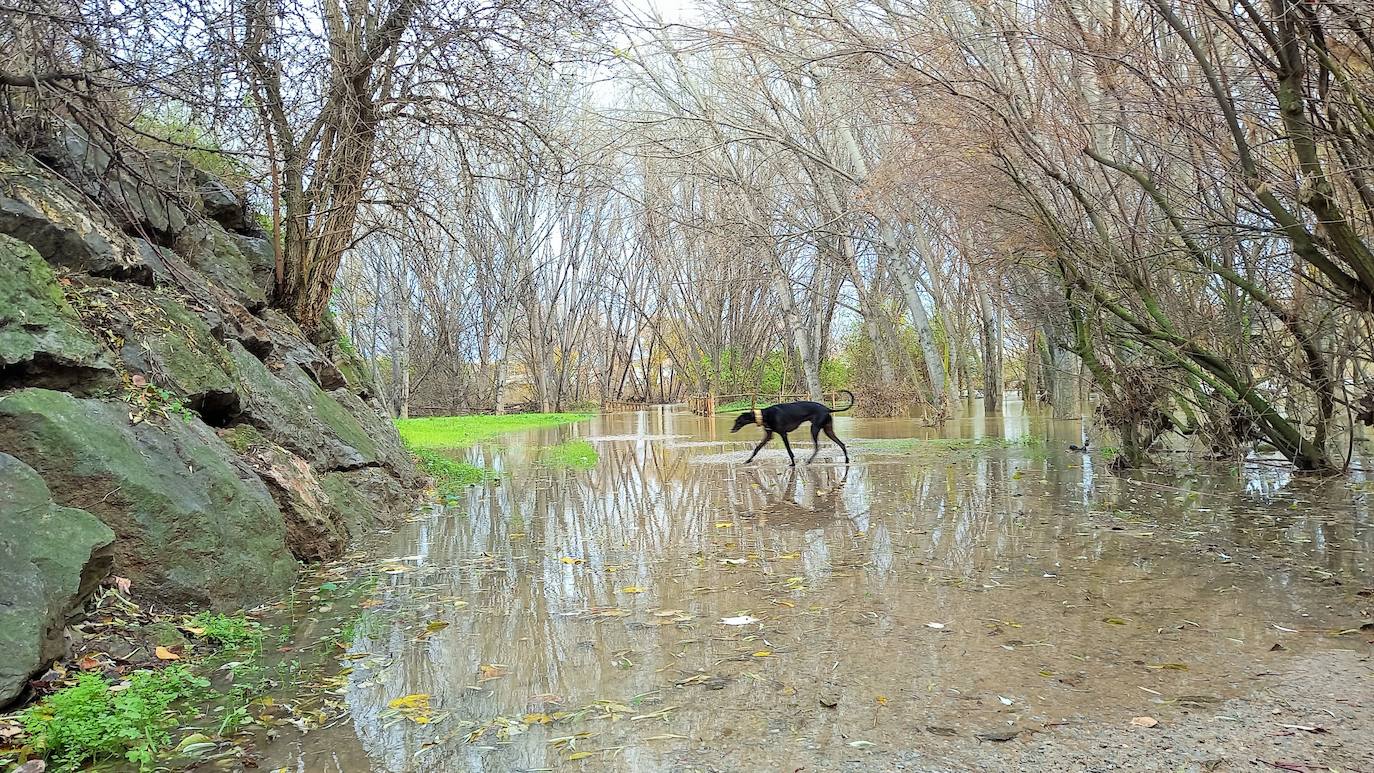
(578, 454)
(243, 437)
(463, 431)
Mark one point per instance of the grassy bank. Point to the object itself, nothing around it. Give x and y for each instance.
(428, 437)
(463, 431)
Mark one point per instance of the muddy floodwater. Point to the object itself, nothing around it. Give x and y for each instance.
(974, 598)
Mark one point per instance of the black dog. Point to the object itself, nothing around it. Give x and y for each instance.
(786, 417)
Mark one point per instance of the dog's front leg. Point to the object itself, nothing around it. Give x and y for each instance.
(767, 436)
(788, 445)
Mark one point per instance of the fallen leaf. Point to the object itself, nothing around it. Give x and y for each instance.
(579, 756)
(569, 560)
(163, 653)
(631, 589)
(537, 719)
(491, 671)
(89, 663)
(862, 744)
(123, 584)
(412, 702)
(1145, 722)
(435, 625)
(1113, 621)
(725, 525)
(763, 654)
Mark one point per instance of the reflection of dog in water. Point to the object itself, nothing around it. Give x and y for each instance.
(786, 417)
(816, 504)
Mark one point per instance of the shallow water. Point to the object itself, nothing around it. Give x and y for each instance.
(574, 619)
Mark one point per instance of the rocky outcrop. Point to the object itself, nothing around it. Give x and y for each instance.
(195, 524)
(42, 342)
(51, 557)
(146, 388)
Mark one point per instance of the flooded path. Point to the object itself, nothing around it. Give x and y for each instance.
(988, 603)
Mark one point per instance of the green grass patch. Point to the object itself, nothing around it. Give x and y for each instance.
(463, 431)
(225, 631)
(578, 454)
(450, 475)
(93, 722)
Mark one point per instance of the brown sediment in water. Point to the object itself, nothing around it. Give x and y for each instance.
(944, 608)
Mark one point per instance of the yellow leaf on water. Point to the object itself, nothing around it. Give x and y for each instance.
(631, 589)
(569, 560)
(418, 701)
(436, 625)
(163, 653)
(881, 699)
(1113, 621)
(579, 756)
(763, 654)
(537, 719)
(725, 525)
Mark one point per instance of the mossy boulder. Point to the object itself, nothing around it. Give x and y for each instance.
(42, 342)
(51, 557)
(292, 411)
(173, 347)
(194, 524)
(367, 498)
(214, 252)
(315, 529)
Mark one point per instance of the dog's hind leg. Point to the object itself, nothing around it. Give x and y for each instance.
(767, 436)
(788, 445)
(830, 433)
(815, 439)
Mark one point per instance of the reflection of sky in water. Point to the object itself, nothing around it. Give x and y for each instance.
(897, 540)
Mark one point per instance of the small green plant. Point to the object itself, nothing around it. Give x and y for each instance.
(578, 454)
(150, 400)
(222, 630)
(94, 720)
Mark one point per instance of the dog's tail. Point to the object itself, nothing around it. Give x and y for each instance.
(847, 407)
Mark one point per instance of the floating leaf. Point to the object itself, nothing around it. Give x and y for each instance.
(631, 589)
(579, 755)
(537, 719)
(436, 625)
(414, 702)
(1113, 621)
(489, 671)
(763, 654)
(881, 699)
(569, 560)
(725, 525)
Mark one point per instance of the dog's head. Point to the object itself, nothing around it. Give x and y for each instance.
(743, 420)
